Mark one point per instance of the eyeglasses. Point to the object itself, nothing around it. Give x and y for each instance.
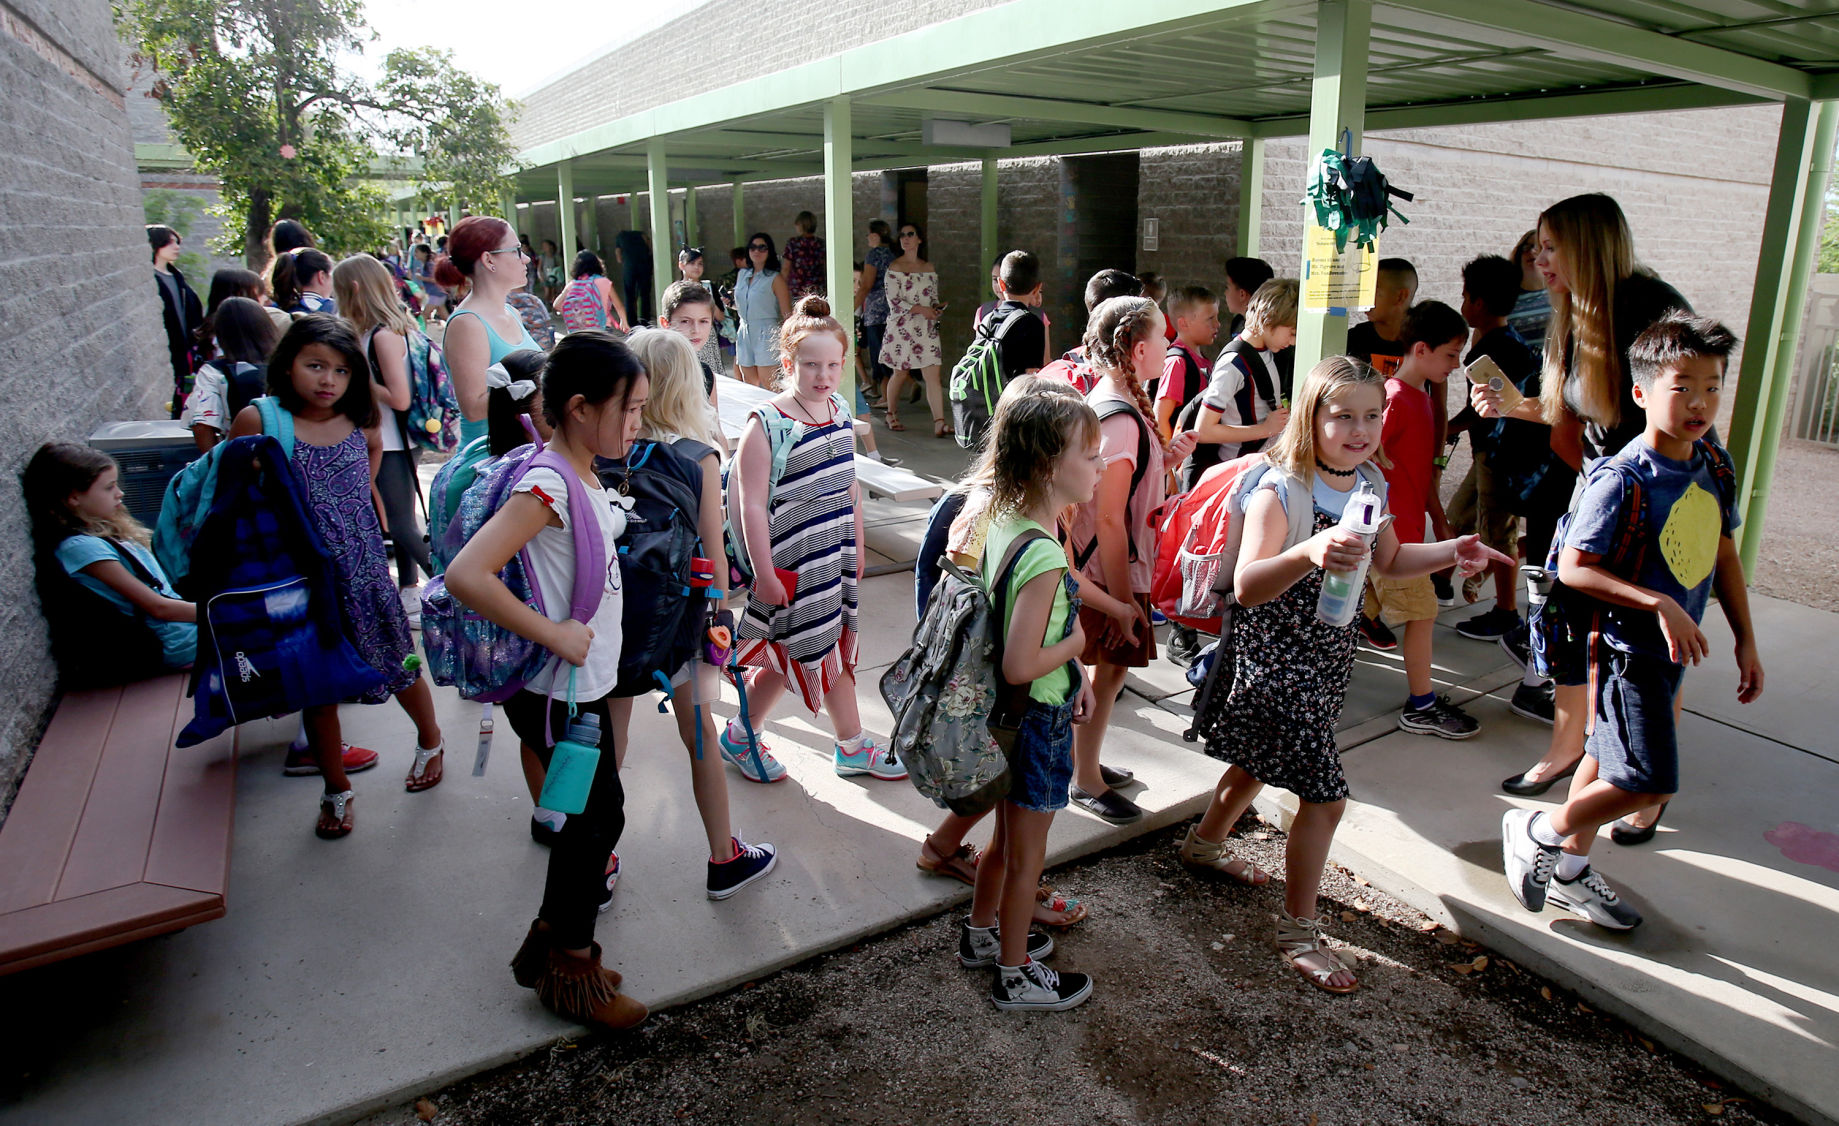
(517, 250)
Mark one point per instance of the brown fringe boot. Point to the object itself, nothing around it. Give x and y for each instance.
(581, 990)
(532, 958)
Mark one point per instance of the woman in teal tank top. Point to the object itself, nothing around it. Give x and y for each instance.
(484, 251)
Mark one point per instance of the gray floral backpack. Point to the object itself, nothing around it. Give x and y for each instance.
(955, 717)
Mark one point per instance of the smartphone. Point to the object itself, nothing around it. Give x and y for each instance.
(1486, 371)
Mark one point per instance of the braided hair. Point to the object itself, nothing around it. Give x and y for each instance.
(1116, 326)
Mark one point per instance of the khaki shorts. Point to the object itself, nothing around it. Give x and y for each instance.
(1480, 506)
(1408, 600)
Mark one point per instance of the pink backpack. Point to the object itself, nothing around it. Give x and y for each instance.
(581, 306)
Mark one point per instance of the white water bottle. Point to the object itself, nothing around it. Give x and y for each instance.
(1342, 590)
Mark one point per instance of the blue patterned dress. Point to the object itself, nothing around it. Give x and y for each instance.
(337, 483)
(812, 523)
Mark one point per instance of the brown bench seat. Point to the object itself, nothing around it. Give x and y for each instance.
(116, 835)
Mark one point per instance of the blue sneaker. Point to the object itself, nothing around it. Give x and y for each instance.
(870, 759)
(1156, 618)
(749, 863)
(737, 753)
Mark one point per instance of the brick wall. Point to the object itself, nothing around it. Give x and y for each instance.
(79, 320)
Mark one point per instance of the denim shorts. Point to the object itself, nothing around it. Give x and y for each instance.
(1633, 736)
(1041, 766)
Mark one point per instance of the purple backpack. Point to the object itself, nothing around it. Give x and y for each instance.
(481, 658)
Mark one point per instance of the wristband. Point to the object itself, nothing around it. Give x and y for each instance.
(1440, 462)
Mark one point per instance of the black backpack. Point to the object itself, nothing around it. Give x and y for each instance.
(664, 611)
(1206, 455)
(242, 384)
(94, 643)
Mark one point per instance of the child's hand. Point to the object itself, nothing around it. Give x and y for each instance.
(571, 641)
(1336, 550)
(1182, 445)
(1084, 702)
(1749, 672)
(768, 589)
(1485, 401)
(1122, 629)
(1473, 556)
(1686, 643)
(1276, 421)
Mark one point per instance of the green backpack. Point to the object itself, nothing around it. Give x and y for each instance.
(977, 378)
(450, 484)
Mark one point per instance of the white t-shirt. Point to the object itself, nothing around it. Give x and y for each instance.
(391, 428)
(1223, 391)
(552, 558)
(208, 404)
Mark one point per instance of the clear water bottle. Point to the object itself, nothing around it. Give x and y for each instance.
(1341, 591)
(571, 766)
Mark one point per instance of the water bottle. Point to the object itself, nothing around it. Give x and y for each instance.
(572, 765)
(1341, 591)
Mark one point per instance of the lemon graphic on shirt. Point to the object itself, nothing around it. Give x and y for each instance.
(1689, 540)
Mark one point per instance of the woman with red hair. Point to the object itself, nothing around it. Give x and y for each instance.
(482, 250)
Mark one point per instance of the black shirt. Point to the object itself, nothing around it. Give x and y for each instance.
(1641, 299)
(1364, 343)
(708, 378)
(1024, 346)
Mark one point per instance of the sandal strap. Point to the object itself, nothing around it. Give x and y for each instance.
(337, 802)
(424, 756)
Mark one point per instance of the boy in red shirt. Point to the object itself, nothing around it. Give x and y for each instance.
(1194, 318)
(1432, 340)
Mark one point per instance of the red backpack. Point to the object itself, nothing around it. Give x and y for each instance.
(1072, 368)
(1191, 546)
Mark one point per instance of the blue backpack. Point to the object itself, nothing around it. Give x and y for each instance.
(192, 492)
(481, 658)
(270, 638)
(450, 483)
(663, 612)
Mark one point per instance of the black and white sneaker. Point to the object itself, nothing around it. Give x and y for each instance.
(1445, 590)
(1183, 645)
(1528, 863)
(1534, 701)
(1376, 633)
(749, 863)
(1441, 718)
(1591, 896)
(1489, 625)
(979, 949)
(1517, 644)
(1034, 987)
(1110, 805)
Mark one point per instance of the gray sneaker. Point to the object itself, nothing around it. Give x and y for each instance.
(1528, 863)
(1591, 896)
(1442, 719)
(979, 949)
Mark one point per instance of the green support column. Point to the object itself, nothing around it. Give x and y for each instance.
(507, 207)
(839, 228)
(1337, 101)
(739, 211)
(991, 248)
(1251, 196)
(663, 253)
(1790, 241)
(565, 209)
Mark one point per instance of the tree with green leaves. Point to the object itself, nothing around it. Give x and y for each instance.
(254, 90)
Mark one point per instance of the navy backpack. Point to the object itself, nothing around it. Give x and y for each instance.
(660, 487)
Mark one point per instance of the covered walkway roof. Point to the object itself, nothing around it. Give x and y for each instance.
(1064, 77)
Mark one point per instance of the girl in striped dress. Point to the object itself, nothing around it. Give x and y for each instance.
(801, 538)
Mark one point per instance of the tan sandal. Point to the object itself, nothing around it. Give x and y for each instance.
(960, 865)
(335, 818)
(894, 422)
(1299, 938)
(1210, 858)
(1051, 909)
(426, 771)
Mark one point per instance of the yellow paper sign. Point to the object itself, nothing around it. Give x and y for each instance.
(1337, 280)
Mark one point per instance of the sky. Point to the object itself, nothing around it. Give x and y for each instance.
(511, 44)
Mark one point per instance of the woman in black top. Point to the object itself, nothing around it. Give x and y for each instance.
(183, 311)
(1601, 301)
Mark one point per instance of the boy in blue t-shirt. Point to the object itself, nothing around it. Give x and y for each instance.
(1652, 564)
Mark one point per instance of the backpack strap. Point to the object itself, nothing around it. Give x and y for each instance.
(1723, 472)
(590, 551)
(1108, 408)
(1255, 369)
(1011, 699)
(277, 423)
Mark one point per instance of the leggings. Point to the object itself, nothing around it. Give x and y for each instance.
(576, 882)
(397, 485)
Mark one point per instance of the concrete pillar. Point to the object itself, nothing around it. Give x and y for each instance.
(839, 229)
(1790, 244)
(565, 211)
(692, 229)
(740, 216)
(663, 252)
(991, 248)
(1337, 102)
(1251, 196)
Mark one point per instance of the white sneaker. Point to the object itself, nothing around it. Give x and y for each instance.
(1591, 896)
(411, 605)
(1528, 863)
(1034, 987)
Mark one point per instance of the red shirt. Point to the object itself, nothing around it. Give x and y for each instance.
(1409, 438)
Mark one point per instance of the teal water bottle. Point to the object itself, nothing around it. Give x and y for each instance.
(572, 765)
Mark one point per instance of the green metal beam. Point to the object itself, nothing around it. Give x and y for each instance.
(663, 248)
(1531, 107)
(565, 208)
(1575, 34)
(839, 230)
(1251, 196)
(1790, 242)
(1826, 87)
(1337, 101)
(987, 212)
(975, 104)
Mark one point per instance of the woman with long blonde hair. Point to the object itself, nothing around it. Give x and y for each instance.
(1601, 301)
(367, 298)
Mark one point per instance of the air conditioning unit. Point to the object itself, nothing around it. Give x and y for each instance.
(150, 455)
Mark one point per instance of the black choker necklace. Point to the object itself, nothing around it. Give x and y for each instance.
(1334, 472)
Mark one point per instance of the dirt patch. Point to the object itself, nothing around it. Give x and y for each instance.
(1194, 1019)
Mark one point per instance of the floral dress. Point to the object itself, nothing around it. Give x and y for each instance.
(337, 483)
(912, 341)
(1289, 683)
(804, 265)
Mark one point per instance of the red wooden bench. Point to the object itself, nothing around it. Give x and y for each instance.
(116, 835)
